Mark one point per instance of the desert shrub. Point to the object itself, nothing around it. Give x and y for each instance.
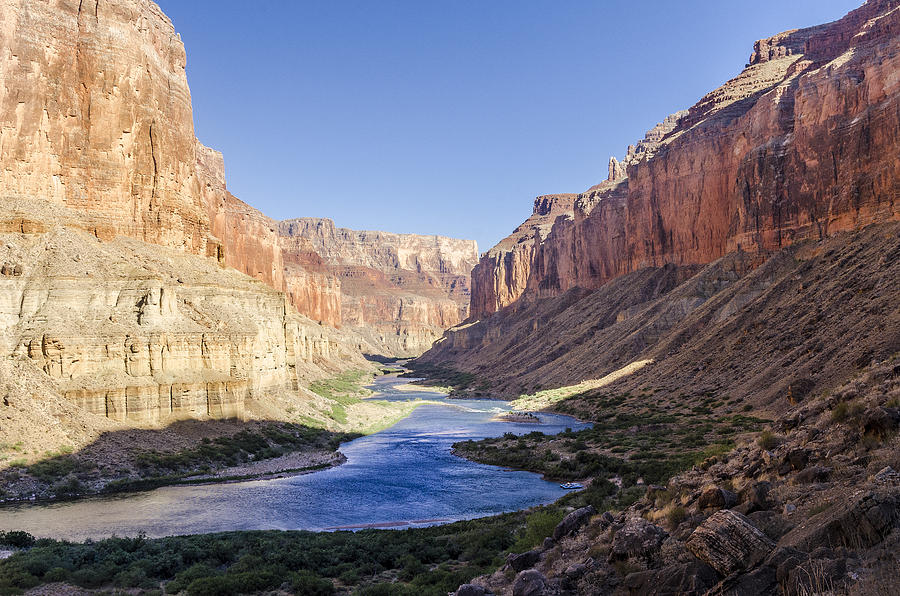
(676, 515)
(840, 412)
(17, 539)
(767, 440)
(538, 526)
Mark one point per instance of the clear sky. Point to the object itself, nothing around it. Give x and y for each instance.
(449, 116)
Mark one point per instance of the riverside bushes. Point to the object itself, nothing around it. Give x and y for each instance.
(428, 561)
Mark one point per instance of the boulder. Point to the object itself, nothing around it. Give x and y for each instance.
(637, 538)
(880, 422)
(717, 498)
(794, 460)
(756, 497)
(470, 590)
(674, 580)
(814, 474)
(783, 560)
(771, 523)
(529, 583)
(861, 520)
(887, 475)
(728, 542)
(523, 561)
(573, 522)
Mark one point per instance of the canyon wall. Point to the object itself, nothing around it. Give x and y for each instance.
(147, 334)
(131, 279)
(399, 291)
(95, 115)
(805, 142)
(124, 256)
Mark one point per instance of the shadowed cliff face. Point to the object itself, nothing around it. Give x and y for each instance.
(802, 144)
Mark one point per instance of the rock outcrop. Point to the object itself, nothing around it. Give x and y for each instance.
(399, 291)
(802, 144)
(503, 273)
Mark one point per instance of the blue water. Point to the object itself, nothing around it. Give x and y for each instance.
(403, 476)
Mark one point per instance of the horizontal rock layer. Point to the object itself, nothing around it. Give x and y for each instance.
(144, 334)
(400, 291)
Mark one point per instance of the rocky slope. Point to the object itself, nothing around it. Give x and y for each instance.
(810, 507)
(803, 347)
(399, 291)
(802, 144)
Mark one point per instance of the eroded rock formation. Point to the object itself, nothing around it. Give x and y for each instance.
(399, 291)
(805, 142)
(146, 334)
(116, 223)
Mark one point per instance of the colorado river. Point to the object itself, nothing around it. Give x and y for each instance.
(400, 477)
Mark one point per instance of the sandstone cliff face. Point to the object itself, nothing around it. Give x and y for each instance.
(502, 273)
(805, 142)
(95, 115)
(145, 334)
(111, 215)
(399, 291)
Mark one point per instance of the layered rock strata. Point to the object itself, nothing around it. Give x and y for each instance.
(399, 291)
(145, 334)
(802, 144)
(116, 223)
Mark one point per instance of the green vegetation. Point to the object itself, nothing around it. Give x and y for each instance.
(426, 561)
(651, 447)
(68, 475)
(443, 377)
(269, 442)
(345, 389)
(768, 440)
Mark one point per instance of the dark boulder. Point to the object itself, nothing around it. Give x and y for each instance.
(717, 498)
(470, 590)
(637, 538)
(523, 561)
(880, 422)
(529, 583)
(573, 522)
(756, 496)
(814, 474)
(794, 460)
(685, 578)
(861, 520)
(773, 524)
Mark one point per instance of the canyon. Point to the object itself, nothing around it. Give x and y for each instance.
(136, 290)
(802, 145)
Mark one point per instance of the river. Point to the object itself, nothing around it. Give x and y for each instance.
(403, 476)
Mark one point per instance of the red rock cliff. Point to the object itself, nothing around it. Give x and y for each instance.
(400, 291)
(95, 115)
(803, 143)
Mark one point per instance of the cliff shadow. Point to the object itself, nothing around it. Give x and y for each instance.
(185, 451)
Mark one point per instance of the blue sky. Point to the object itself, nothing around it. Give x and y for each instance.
(449, 116)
